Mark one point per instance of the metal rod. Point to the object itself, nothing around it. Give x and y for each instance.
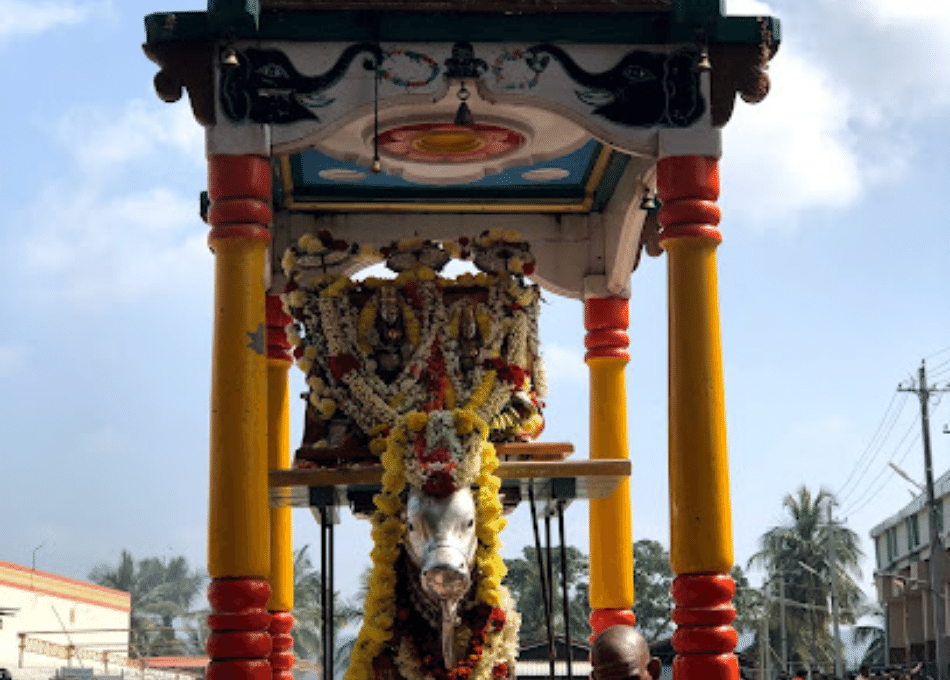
(324, 627)
(332, 624)
(541, 569)
(567, 605)
(550, 566)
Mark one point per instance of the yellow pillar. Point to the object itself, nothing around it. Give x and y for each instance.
(238, 518)
(281, 579)
(239, 522)
(700, 511)
(279, 361)
(611, 542)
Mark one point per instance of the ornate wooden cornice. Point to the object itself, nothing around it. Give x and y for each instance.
(185, 66)
(502, 6)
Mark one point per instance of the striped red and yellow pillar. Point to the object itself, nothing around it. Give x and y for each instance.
(239, 520)
(281, 579)
(611, 543)
(700, 513)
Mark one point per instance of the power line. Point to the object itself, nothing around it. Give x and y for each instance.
(939, 351)
(858, 463)
(878, 447)
(859, 503)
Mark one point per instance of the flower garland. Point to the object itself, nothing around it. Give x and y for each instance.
(488, 641)
(346, 335)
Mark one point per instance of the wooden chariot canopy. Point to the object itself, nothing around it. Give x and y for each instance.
(386, 120)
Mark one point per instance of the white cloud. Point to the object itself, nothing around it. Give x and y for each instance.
(27, 17)
(99, 139)
(850, 81)
(564, 365)
(114, 226)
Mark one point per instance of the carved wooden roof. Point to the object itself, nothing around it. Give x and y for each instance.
(516, 6)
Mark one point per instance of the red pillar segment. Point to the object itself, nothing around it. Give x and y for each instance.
(239, 643)
(704, 639)
(688, 187)
(282, 646)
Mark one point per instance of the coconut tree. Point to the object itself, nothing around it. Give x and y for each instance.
(308, 615)
(162, 592)
(799, 551)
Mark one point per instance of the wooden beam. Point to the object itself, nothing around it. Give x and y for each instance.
(372, 474)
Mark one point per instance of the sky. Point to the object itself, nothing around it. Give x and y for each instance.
(833, 281)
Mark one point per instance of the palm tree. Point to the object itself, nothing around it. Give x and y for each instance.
(161, 594)
(798, 551)
(524, 582)
(308, 615)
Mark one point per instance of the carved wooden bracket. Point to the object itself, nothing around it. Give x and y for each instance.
(741, 69)
(186, 66)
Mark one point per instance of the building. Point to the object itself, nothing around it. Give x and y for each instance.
(49, 621)
(902, 554)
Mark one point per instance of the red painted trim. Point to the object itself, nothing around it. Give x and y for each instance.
(238, 650)
(243, 669)
(688, 187)
(282, 646)
(606, 320)
(278, 346)
(254, 619)
(239, 177)
(235, 595)
(602, 619)
(239, 210)
(246, 231)
(704, 640)
(65, 596)
(57, 577)
(238, 644)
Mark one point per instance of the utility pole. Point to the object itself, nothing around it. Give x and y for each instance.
(783, 632)
(923, 392)
(835, 615)
(764, 634)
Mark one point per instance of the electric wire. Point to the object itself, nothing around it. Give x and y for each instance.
(858, 463)
(878, 447)
(860, 503)
(939, 351)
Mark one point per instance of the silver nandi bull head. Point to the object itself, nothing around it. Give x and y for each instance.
(441, 542)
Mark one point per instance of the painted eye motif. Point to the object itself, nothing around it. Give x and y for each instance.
(471, 523)
(272, 71)
(637, 73)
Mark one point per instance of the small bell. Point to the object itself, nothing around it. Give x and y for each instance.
(229, 58)
(463, 116)
(703, 63)
(376, 167)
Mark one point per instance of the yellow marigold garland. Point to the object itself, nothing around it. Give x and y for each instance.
(389, 532)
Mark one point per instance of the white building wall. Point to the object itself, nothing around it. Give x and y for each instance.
(47, 604)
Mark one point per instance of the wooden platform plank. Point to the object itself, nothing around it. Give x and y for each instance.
(528, 469)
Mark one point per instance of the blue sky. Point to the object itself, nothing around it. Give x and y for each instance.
(833, 286)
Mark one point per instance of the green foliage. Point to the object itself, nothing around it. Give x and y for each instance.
(162, 593)
(524, 582)
(652, 578)
(308, 615)
(797, 552)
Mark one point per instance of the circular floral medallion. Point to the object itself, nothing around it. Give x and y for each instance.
(449, 143)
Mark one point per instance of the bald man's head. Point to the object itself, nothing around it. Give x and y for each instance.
(621, 653)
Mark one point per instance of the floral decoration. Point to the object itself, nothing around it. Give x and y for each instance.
(377, 349)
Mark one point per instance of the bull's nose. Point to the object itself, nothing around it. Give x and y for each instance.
(446, 583)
